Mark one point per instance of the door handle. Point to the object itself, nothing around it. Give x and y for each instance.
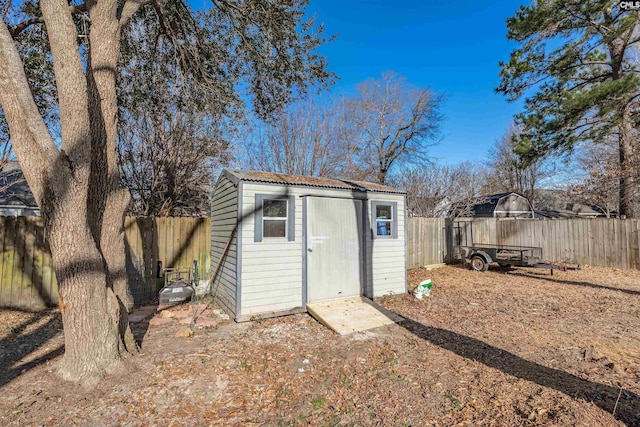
(309, 250)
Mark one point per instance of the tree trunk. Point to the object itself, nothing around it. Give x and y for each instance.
(90, 311)
(61, 180)
(108, 202)
(628, 184)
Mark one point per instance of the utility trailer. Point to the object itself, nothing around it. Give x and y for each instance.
(480, 255)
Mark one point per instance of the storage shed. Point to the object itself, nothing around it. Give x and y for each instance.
(502, 205)
(281, 241)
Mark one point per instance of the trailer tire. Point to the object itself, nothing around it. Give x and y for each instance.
(478, 263)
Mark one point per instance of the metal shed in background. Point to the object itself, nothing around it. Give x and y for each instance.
(502, 205)
(281, 241)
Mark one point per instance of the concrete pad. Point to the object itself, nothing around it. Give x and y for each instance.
(348, 315)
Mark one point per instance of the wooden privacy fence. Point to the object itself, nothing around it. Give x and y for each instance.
(604, 242)
(426, 241)
(27, 278)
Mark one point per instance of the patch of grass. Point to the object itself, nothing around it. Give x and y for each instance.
(455, 403)
(284, 392)
(317, 403)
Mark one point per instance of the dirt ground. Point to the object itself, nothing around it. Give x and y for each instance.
(503, 348)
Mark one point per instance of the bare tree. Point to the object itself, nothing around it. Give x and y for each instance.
(301, 141)
(439, 190)
(168, 148)
(598, 175)
(509, 172)
(388, 122)
(168, 165)
(76, 182)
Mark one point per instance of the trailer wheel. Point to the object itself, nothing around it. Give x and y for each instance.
(478, 263)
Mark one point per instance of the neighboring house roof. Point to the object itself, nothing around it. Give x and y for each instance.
(306, 181)
(14, 190)
(555, 213)
(562, 204)
(575, 210)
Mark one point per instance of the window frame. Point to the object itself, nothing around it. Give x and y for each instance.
(393, 206)
(284, 218)
(259, 218)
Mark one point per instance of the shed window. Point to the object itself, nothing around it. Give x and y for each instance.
(274, 217)
(386, 222)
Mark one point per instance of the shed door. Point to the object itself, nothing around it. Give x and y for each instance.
(334, 248)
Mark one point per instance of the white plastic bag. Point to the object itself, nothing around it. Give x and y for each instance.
(423, 290)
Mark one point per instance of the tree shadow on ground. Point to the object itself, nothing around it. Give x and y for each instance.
(19, 345)
(627, 408)
(571, 282)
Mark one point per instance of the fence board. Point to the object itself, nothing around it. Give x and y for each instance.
(600, 241)
(27, 277)
(426, 243)
(30, 297)
(17, 288)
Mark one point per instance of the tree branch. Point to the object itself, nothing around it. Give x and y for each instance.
(30, 136)
(18, 28)
(70, 80)
(129, 8)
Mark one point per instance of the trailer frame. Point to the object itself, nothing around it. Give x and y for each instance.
(480, 255)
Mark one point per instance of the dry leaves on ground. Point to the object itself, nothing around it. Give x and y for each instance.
(499, 348)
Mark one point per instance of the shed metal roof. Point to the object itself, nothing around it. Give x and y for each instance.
(307, 181)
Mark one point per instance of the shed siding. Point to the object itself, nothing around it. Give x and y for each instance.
(224, 217)
(272, 270)
(386, 274)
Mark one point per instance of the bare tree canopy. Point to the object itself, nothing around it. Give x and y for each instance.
(266, 46)
(173, 125)
(388, 122)
(439, 190)
(597, 178)
(168, 164)
(301, 141)
(508, 171)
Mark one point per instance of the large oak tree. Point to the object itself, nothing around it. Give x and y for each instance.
(71, 163)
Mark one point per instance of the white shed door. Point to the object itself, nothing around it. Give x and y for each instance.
(334, 253)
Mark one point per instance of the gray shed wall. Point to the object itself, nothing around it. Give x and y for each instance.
(388, 273)
(224, 217)
(271, 278)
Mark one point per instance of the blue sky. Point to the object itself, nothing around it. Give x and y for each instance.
(452, 46)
